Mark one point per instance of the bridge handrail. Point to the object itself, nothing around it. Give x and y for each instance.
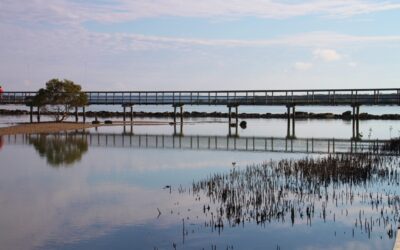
(375, 96)
(225, 91)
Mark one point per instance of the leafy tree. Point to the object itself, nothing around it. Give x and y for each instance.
(60, 97)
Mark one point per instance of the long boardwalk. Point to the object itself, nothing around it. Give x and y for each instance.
(215, 143)
(379, 96)
(232, 99)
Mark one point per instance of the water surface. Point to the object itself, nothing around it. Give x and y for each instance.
(58, 192)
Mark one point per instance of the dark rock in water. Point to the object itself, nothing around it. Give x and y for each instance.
(95, 122)
(323, 116)
(243, 124)
(108, 122)
(301, 114)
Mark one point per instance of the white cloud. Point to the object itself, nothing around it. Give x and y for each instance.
(327, 55)
(303, 66)
(73, 12)
(352, 64)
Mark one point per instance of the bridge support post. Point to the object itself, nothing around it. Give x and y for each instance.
(229, 121)
(175, 115)
(76, 114)
(131, 115)
(180, 117)
(181, 125)
(181, 114)
(288, 121)
(293, 122)
(236, 120)
(31, 114)
(84, 114)
(354, 122)
(358, 122)
(124, 114)
(229, 116)
(38, 114)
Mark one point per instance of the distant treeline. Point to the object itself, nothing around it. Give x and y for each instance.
(194, 114)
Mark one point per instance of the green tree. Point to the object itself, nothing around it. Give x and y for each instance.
(60, 97)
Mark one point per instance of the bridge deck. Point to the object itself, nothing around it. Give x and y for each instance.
(223, 143)
(237, 97)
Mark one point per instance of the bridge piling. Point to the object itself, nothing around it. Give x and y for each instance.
(288, 121)
(358, 122)
(229, 116)
(76, 114)
(353, 122)
(293, 122)
(131, 115)
(181, 114)
(38, 114)
(31, 114)
(124, 114)
(84, 114)
(174, 115)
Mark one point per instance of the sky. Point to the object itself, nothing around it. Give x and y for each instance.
(200, 44)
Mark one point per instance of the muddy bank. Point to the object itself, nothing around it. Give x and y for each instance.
(45, 127)
(299, 115)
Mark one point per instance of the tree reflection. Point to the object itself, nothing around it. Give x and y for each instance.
(59, 150)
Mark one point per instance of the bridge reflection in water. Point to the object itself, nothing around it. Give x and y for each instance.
(214, 143)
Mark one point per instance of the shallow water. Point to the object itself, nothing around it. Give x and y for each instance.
(59, 193)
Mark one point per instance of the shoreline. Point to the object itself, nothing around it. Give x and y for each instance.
(195, 114)
(54, 127)
(44, 127)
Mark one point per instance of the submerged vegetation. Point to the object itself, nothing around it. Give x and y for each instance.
(360, 189)
(393, 146)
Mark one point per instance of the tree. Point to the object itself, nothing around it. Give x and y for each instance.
(59, 98)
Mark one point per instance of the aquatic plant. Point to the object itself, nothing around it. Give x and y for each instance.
(304, 190)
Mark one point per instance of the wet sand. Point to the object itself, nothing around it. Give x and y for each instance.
(53, 127)
(45, 127)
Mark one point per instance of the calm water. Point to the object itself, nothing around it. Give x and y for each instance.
(58, 192)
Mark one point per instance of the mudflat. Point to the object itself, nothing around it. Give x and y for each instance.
(54, 127)
(45, 127)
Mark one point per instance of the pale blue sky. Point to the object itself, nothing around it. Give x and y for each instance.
(192, 44)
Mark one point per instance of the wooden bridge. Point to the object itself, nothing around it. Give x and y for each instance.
(214, 143)
(232, 99)
(380, 96)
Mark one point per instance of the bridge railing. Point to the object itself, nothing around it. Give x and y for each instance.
(17, 97)
(259, 97)
(234, 97)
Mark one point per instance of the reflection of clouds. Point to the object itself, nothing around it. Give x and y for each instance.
(352, 245)
(143, 160)
(39, 204)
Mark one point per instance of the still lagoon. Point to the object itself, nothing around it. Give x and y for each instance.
(60, 192)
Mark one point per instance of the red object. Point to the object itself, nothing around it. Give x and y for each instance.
(1, 90)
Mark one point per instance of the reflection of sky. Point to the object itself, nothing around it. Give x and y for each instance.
(376, 110)
(110, 200)
(276, 128)
(373, 129)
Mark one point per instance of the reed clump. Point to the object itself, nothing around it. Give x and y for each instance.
(304, 190)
